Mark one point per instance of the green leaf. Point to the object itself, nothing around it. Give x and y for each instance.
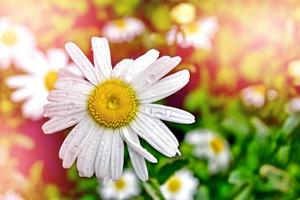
(89, 197)
(290, 124)
(244, 194)
(152, 188)
(125, 7)
(160, 17)
(86, 184)
(240, 176)
(196, 99)
(203, 193)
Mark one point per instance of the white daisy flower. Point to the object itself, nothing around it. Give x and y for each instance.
(254, 96)
(34, 87)
(13, 40)
(125, 187)
(293, 105)
(10, 195)
(294, 71)
(183, 13)
(182, 185)
(123, 30)
(197, 34)
(211, 146)
(112, 105)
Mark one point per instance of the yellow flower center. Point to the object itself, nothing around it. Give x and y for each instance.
(6, 106)
(120, 23)
(174, 184)
(113, 103)
(9, 38)
(260, 89)
(183, 13)
(217, 145)
(191, 29)
(50, 80)
(120, 184)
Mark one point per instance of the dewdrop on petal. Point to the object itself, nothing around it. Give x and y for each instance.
(110, 106)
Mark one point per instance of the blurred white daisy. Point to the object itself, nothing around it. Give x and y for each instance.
(14, 39)
(33, 87)
(112, 105)
(125, 187)
(197, 34)
(181, 185)
(123, 30)
(254, 96)
(212, 147)
(294, 71)
(10, 195)
(293, 105)
(183, 13)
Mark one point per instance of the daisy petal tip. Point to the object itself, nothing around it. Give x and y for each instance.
(177, 59)
(45, 129)
(99, 39)
(66, 165)
(69, 45)
(178, 152)
(154, 52)
(152, 159)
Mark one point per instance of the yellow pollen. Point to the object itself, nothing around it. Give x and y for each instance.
(259, 89)
(113, 103)
(120, 23)
(50, 80)
(217, 145)
(191, 29)
(120, 184)
(174, 184)
(9, 38)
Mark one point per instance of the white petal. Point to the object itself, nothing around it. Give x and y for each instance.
(105, 180)
(122, 67)
(19, 81)
(76, 133)
(63, 109)
(74, 85)
(33, 108)
(57, 58)
(82, 62)
(117, 156)
(60, 123)
(83, 132)
(87, 156)
(22, 94)
(167, 113)
(102, 58)
(138, 161)
(66, 96)
(67, 73)
(141, 64)
(156, 71)
(103, 155)
(165, 87)
(152, 132)
(135, 146)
